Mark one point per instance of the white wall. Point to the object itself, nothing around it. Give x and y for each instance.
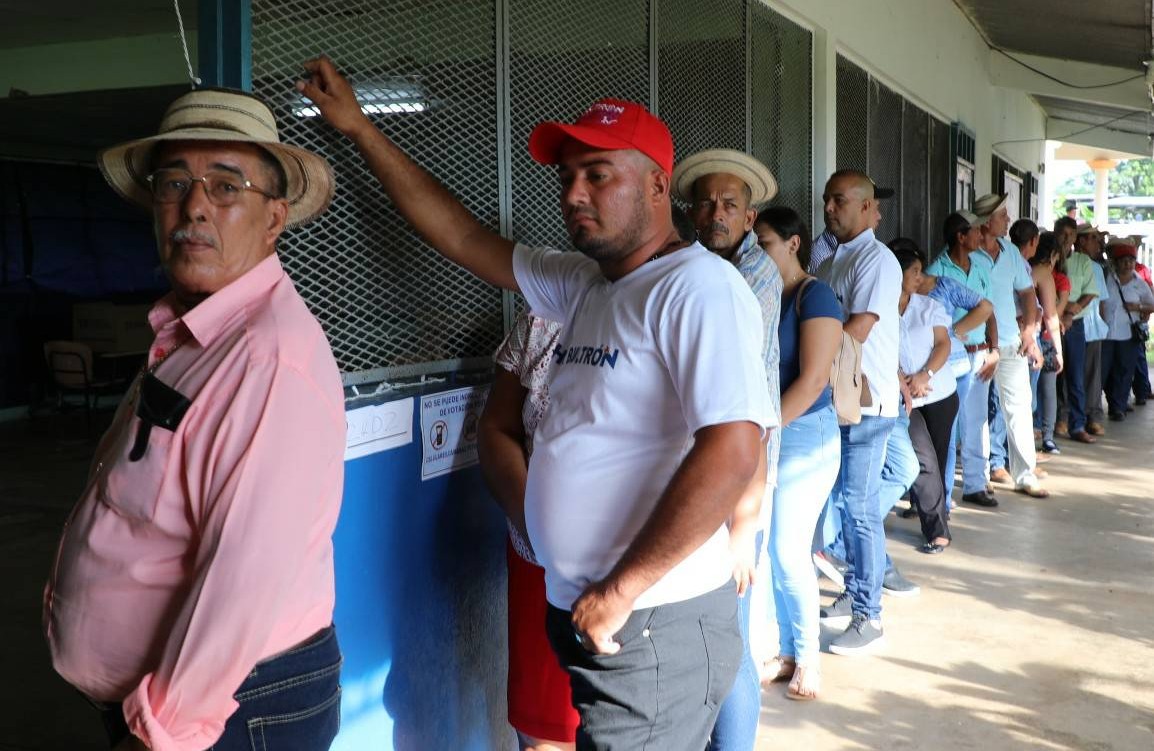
(928, 51)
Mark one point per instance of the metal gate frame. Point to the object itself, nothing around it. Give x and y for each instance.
(226, 27)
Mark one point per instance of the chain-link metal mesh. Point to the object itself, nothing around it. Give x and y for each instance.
(913, 194)
(852, 116)
(701, 73)
(885, 154)
(941, 183)
(562, 58)
(459, 86)
(384, 298)
(781, 78)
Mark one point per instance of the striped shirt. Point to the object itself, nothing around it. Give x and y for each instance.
(761, 274)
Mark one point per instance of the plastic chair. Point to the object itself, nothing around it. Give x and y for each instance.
(70, 364)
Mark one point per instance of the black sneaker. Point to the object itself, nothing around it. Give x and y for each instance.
(1049, 447)
(839, 609)
(981, 498)
(862, 637)
(896, 585)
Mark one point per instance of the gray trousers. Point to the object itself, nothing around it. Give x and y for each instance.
(1093, 382)
(693, 646)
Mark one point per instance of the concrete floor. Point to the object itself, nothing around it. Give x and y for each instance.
(1034, 631)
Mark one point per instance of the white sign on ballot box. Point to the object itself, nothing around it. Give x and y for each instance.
(449, 430)
(378, 427)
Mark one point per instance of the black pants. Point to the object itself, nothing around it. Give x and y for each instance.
(930, 426)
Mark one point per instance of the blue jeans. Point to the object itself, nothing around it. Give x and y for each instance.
(951, 467)
(999, 454)
(973, 432)
(290, 702)
(1075, 372)
(807, 471)
(1142, 375)
(736, 726)
(1119, 359)
(857, 497)
(900, 468)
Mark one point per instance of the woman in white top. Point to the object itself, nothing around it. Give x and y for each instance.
(923, 350)
(1126, 309)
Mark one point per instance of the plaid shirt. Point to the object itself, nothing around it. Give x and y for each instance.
(763, 278)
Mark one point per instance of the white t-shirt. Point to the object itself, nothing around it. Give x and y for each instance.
(867, 278)
(916, 344)
(643, 363)
(1114, 310)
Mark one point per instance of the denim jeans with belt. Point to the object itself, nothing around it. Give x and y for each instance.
(290, 702)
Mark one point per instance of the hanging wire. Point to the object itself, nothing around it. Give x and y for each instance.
(1067, 84)
(184, 44)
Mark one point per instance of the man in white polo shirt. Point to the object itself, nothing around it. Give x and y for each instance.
(866, 278)
(661, 347)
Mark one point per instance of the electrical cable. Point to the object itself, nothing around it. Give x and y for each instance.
(184, 44)
(1075, 133)
(1055, 79)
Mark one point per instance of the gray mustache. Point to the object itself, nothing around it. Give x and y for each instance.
(187, 235)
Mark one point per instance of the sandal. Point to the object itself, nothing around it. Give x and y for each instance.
(780, 668)
(805, 684)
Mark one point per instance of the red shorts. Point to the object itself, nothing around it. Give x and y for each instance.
(540, 704)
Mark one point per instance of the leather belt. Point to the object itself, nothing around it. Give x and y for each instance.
(971, 348)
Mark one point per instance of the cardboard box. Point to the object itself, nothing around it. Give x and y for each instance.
(112, 328)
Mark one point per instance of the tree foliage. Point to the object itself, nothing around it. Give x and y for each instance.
(1132, 177)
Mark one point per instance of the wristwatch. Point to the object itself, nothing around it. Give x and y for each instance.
(929, 372)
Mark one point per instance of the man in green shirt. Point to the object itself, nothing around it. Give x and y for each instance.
(1083, 291)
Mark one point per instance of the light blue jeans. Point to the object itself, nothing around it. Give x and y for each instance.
(736, 725)
(856, 496)
(900, 468)
(964, 382)
(807, 470)
(973, 430)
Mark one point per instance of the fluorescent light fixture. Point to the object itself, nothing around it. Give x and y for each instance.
(384, 98)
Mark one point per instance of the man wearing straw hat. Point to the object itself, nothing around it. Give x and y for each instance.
(193, 593)
(1011, 288)
(628, 524)
(722, 188)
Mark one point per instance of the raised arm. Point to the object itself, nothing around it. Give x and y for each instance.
(440, 219)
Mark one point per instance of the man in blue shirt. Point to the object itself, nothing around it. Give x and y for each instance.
(962, 263)
(1010, 283)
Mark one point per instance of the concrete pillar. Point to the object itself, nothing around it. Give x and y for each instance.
(1102, 169)
(824, 119)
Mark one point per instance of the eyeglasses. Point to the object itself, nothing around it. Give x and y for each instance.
(171, 185)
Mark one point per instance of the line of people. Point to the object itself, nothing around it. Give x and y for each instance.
(664, 416)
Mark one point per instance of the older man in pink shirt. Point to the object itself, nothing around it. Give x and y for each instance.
(192, 595)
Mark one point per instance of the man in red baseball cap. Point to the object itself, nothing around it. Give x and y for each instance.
(661, 348)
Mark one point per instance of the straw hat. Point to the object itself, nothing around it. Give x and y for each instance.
(756, 175)
(986, 206)
(223, 115)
